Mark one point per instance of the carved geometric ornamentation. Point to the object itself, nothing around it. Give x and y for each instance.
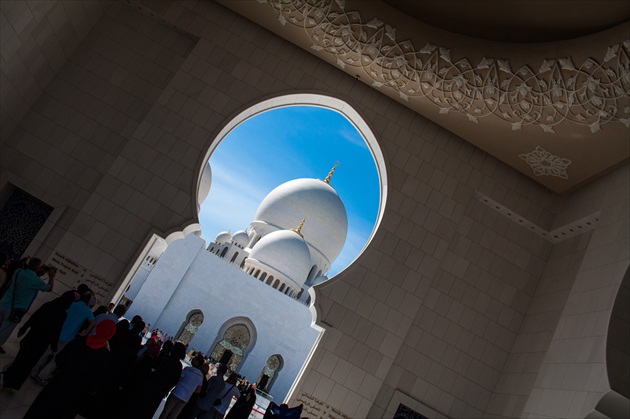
(546, 164)
(588, 93)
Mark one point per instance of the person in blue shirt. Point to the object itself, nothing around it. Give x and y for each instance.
(77, 315)
(25, 284)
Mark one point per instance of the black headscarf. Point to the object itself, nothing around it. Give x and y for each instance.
(45, 324)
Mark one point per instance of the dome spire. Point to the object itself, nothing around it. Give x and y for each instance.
(299, 229)
(330, 175)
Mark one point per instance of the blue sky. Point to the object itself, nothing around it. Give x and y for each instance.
(285, 144)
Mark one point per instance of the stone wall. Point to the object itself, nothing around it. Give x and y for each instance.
(37, 39)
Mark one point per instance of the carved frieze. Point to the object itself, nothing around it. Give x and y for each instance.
(591, 93)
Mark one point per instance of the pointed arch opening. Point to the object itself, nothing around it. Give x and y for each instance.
(189, 328)
(272, 277)
(269, 373)
(235, 339)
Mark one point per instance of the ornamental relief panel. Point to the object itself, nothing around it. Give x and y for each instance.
(591, 93)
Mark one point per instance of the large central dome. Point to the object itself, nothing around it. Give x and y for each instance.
(316, 202)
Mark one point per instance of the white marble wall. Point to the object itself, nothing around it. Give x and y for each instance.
(223, 292)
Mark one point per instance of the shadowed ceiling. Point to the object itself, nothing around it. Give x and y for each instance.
(542, 86)
(518, 20)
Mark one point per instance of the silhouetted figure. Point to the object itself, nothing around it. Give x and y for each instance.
(205, 403)
(78, 314)
(20, 294)
(244, 405)
(223, 400)
(192, 401)
(143, 399)
(283, 411)
(190, 383)
(82, 368)
(43, 327)
(121, 367)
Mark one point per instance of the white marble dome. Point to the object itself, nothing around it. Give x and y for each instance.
(312, 200)
(241, 238)
(286, 252)
(224, 237)
(204, 183)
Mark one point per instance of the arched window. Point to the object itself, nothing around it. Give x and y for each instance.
(269, 280)
(311, 274)
(269, 372)
(281, 287)
(263, 276)
(275, 284)
(234, 257)
(300, 293)
(224, 252)
(243, 263)
(190, 326)
(230, 348)
(257, 273)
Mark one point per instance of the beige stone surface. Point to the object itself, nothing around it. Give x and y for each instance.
(454, 308)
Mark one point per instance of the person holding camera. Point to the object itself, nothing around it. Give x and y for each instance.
(25, 284)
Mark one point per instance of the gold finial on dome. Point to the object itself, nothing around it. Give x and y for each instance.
(299, 229)
(330, 175)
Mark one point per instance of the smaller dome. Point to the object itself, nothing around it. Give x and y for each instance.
(224, 237)
(286, 252)
(241, 238)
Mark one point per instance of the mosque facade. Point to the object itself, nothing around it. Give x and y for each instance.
(243, 299)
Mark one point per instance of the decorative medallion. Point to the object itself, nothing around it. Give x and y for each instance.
(590, 93)
(546, 164)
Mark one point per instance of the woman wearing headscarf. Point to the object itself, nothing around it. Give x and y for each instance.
(44, 328)
(244, 405)
(144, 398)
(82, 368)
(143, 366)
(121, 367)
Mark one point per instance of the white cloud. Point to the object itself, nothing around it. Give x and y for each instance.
(231, 203)
(352, 137)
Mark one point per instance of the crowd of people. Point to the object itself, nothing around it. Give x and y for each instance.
(98, 364)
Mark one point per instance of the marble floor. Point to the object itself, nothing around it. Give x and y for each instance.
(14, 404)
